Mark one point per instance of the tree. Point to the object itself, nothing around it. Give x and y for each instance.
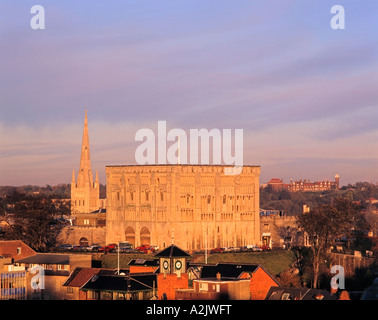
(325, 224)
(35, 220)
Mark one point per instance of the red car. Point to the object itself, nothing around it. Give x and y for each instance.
(145, 249)
(217, 250)
(108, 248)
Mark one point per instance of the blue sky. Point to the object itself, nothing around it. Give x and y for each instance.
(305, 95)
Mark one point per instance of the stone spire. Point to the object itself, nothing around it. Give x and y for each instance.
(84, 193)
(85, 176)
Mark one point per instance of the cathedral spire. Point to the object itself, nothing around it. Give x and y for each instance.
(85, 171)
(85, 195)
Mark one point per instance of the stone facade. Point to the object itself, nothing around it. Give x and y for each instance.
(280, 231)
(80, 235)
(196, 205)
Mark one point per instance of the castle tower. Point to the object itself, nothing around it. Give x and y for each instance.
(85, 194)
(337, 182)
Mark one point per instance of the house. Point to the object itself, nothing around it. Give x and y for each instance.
(15, 249)
(218, 288)
(143, 265)
(260, 280)
(79, 277)
(291, 293)
(53, 270)
(141, 286)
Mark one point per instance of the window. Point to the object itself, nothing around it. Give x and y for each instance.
(69, 290)
(19, 250)
(203, 287)
(93, 295)
(62, 266)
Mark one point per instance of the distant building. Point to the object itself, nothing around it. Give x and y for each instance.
(304, 185)
(279, 230)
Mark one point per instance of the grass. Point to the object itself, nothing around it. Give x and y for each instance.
(274, 261)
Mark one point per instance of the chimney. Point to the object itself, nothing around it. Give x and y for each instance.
(218, 276)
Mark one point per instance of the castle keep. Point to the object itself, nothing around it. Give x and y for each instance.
(197, 206)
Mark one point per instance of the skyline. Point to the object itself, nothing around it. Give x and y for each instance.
(304, 94)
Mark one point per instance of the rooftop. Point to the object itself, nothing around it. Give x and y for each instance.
(172, 251)
(46, 258)
(121, 283)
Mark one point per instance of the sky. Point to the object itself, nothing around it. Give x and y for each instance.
(304, 94)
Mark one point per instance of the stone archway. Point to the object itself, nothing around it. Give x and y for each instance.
(130, 235)
(83, 242)
(145, 236)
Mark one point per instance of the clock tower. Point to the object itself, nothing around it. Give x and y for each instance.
(172, 273)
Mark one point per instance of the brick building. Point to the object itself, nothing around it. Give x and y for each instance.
(304, 185)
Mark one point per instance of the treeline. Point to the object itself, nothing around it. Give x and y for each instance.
(59, 191)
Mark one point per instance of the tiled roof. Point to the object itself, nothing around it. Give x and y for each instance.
(80, 276)
(9, 248)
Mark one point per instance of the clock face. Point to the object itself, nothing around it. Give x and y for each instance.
(165, 264)
(178, 265)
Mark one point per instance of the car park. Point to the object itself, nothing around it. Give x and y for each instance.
(65, 247)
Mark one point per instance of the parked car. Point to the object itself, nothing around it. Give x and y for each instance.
(154, 248)
(234, 249)
(111, 247)
(217, 250)
(143, 249)
(94, 247)
(264, 248)
(65, 247)
(126, 247)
